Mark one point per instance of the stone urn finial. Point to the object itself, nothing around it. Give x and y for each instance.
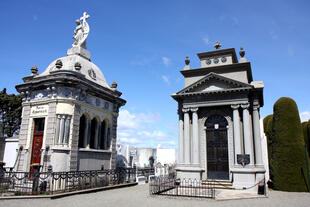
(241, 52)
(58, 64)
(77, 66)
(34, 70)
(187, 61)
(114, 85)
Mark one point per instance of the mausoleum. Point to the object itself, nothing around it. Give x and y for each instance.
(69, 115)
(219, 121)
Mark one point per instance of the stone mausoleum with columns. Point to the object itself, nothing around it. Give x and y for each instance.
(69, 115)
(219, 127)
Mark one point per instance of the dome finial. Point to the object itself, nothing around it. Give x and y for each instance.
(34, 70)
(217, 45)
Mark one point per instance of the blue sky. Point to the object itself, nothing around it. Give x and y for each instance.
(142, 45)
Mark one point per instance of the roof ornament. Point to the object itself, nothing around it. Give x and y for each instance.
(242, 53)
(81, 31)
(217, 45)
(187, 61)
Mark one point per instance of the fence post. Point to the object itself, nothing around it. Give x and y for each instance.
(36, 177)
(2, 170)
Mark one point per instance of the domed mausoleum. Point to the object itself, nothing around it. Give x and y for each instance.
(70, 112)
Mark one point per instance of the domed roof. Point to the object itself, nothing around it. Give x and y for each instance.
(77, 63)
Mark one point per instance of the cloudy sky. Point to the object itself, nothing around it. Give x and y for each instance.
(142, 45)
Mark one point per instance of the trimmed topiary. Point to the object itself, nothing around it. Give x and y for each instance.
(268, 132)
(287, 156)
(306, 133)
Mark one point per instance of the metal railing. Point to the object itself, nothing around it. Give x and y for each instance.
(185, 187)
(25, 183)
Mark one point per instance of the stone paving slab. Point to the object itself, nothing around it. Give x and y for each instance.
(139, 196)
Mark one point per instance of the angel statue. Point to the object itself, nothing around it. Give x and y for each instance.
(81, 31)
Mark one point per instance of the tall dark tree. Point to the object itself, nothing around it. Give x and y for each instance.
(10, 113)
(287, 157)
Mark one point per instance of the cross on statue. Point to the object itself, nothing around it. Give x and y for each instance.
(217, 45)
(84, 17)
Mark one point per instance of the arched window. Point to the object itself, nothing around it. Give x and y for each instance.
(93, 133)
(82, 131)
(103, 135)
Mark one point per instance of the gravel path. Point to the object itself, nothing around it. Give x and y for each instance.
(138, 196)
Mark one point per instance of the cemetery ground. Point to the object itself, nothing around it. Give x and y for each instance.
(139, 196)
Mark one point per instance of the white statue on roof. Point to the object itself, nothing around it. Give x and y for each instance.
(81, 31)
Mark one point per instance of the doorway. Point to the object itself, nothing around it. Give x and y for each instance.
(217, 148)
(38, 133)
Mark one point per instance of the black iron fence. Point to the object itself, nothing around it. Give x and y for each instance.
(185, 187)
(25, 183)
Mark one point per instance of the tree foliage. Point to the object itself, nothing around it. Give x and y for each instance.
(287, 156)
(306, 134)
(10, 113)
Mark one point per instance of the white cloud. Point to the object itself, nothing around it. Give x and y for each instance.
(290, 51)
(139, 129)
(165, 79)
(166, 61)
(206, 40)
(144, 61)
(273, 35)
(304, 116)
(235, 20)
(35, 17)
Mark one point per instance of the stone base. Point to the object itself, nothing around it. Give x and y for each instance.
(79, 51)
(247, 178)
(189, 172)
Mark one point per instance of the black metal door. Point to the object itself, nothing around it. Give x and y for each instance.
(217, 148)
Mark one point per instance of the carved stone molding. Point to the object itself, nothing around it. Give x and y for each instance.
(256, 107)
(194, 109)
(245, 106)
(235, 106)
(185, 110)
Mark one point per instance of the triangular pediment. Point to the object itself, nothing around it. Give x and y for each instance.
(214, 82)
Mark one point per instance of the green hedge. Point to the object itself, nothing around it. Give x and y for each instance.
(306, 132)
(287, 155)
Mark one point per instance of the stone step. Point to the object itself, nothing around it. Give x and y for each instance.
(219, 184)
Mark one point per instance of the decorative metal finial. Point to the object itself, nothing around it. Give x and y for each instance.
(187, 61)
(58, 64)
(217, 45)
(241, 52)
(34, 70)
(114, 84)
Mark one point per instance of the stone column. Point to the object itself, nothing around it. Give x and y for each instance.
(96, 136)
(62, 129)
(248, 139)
(187, 143)
(181, 138)
(57, 129)
(86, 133)
(67, 130)
(237, 137)
(257, 137)
(195, 147)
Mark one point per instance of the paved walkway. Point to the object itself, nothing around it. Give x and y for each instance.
(138, 196)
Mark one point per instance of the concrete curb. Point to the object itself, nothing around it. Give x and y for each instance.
(61, 195)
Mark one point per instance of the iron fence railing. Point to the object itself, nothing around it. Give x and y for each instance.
(181, 187)
(25, 183)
